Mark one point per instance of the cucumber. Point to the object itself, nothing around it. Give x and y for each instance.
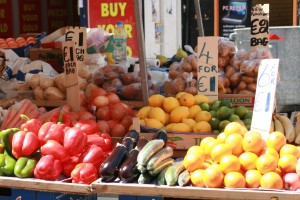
(162, 154)
(162, 165)
(147, 152)
(184, 178)
(173, 172)
(160, 179)
(145, 178)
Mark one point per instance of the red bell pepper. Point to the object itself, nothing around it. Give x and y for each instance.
(51, 131)
(24, 144)
(55, 149)
(94, 155)
(31, 125)
(69, 165)
(48, 168)
(88, 126)
(101, 141)
(84, 173)
(62, 118)
(74, 141)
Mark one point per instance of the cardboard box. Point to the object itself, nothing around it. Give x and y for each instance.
(16, 194)
(239, 99)
(53, 56)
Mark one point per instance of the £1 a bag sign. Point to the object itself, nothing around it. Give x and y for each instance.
(259, 26)
(207, 73)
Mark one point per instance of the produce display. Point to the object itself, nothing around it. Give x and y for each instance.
(191, 113)
(16, 42)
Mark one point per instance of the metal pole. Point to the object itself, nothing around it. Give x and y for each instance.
(141, 49)
(199, 17)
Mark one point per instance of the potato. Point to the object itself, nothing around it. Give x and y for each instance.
(82, 83)
(53, 93)
(130, 91)
(34, 81)
(127, 78)
(187, 67)
(223, 61)
(38, 93)
(228, 90)
(59, 82)
(178, 85)
(235, 78)
(246, 92)
(46, 82)
(242, 85)
(251, 87)
(248, 79)
(229, 72)
(84, 72)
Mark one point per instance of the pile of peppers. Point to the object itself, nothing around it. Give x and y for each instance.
(53, 149)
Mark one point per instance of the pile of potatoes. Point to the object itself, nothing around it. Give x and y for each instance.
(54, 88)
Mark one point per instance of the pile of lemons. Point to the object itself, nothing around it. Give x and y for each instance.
(181, 113)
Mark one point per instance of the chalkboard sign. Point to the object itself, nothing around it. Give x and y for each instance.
(71, 75)
(207, 74)
(259, 26)
(265, 96)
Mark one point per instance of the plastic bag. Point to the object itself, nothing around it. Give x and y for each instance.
(97, 36)
(225, 47)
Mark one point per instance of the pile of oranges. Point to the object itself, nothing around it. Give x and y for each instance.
(239, 158)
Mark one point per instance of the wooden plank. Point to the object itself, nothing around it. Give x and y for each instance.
(190, 192)
(41, 185)
(47, 103)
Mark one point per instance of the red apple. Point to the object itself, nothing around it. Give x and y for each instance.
(291, 181)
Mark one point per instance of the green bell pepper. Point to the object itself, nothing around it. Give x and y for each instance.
(6, 139)
(7, 165)
(24, 167)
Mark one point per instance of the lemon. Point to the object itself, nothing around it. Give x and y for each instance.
(169, 103)
(143, 112)
(156, 100)
(167, 118)
(157, 113)
(181, 127)
(189, 122)
(202, 126)
(179, 113)
(169, 127)
(142, 122)
(201, 98)
(153, 123)
(187, 100)
(194, 110)
(178, 95)
(202, 116)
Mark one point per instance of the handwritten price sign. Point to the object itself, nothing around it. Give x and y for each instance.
(207, 76)
(265, 96)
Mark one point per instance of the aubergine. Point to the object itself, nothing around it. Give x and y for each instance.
(161, 134)
(128, 143)
(141, 143)
(109, 178)
(110, 166)
(132, 134)
(128, 168)
(132, 179)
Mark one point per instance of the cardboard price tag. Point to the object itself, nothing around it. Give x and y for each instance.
(207, 75)
(265, 96)
(259, 26)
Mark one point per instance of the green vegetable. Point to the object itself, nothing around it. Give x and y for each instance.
(173, 172)
(24, 167)
(7, 165)
(6, 138)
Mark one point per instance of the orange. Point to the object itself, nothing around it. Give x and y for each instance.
(205, 140)
(197, 178)
(289, 149)
(252, 178)
(234, 127)
(236, 142)
(209, 146)
(248, 160)
(271, 180)
(234, 180)
(230, 163)
(202, 127)
(270, 151)
(219, 151)
(156, 100)
(221, 137)
(187, 100)
(253, 142)
(266, 163)
(194, 110)
(203, 116)
(213, 177)
(287, 163)
(194, 149)
(169, 103)
(276, 140)
(194, 161)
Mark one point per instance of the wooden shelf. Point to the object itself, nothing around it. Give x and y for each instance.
(47, 103)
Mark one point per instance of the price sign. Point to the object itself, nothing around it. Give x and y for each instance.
(71, 75)
(207, 74)
(78, 36)
(259, 26)
(265, 96)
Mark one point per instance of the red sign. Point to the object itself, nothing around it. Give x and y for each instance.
(30, 16)
(57, 14)
(105, 14)
(6, 18)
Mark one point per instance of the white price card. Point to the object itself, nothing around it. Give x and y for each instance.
(265, 96)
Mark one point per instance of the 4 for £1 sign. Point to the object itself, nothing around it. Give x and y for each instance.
(105, 14)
